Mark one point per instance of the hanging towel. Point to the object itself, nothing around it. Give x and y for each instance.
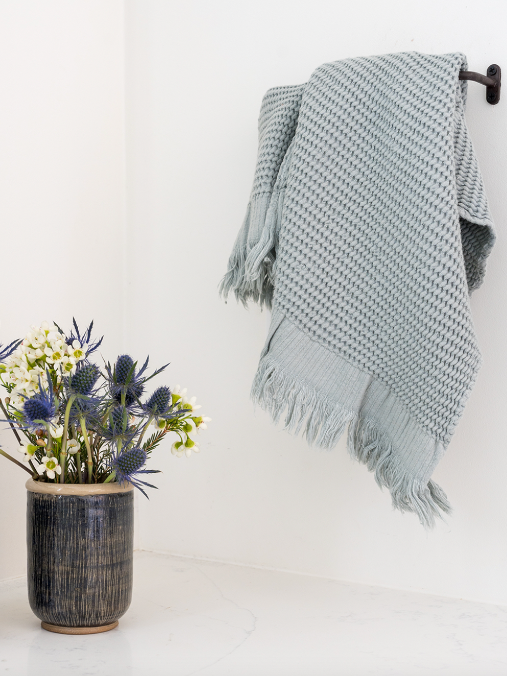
(366, 232)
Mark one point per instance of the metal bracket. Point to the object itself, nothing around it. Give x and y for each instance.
(492, 81)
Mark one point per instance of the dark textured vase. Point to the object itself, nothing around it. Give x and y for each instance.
(80, 554)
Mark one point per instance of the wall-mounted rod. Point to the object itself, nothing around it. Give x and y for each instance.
(492, 81)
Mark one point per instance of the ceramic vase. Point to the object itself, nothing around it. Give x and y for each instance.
(80, 554)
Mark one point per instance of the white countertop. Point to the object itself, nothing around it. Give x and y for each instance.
(196, 617)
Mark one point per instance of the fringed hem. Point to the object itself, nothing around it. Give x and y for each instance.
(250, 271)
(323, 424)
(252, 264)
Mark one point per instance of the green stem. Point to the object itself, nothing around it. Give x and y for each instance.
(150, 420)
(49, 446)
(6, 455)
(78, 465)
(89, 462)
(111, 477)
(63, 452)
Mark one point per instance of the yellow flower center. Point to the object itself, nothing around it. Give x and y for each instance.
(51, 464)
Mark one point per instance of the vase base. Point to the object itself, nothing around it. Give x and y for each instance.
(78, 630)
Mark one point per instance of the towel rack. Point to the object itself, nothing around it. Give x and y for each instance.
(493, 81)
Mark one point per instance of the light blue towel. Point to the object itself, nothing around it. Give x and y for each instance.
(367, 229)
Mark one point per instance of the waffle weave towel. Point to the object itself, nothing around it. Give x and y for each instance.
(367, 229)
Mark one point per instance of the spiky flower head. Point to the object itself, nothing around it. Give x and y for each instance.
(128, 463)
(158, 403)
(124, 368)
(125, 383)
(118, 420)
(83, 381)
(39, 409)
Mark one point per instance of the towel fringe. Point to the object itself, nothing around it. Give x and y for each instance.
(324, 424)
(251, 268)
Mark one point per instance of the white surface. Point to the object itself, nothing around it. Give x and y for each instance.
(196, 73)
(190, 617)
(195, 76)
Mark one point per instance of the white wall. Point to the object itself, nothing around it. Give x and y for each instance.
(195, 76)
(196, 73)
(61, 188)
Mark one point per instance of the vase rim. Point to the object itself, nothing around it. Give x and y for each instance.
(77, 489)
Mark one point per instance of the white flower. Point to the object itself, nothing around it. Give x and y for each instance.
(202, 424)
(191, 402)
(50, 466)
(76, 350)
(177, 390)
(68, 365)
(55, 353)
(56, 432)
(73, 446)
(179, 448)
(28, 450)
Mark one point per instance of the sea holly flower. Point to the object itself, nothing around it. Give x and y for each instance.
(159, 406)
(84, 380)
(128, 464)
(126, 384)
(28, 451)
(49, 465)
(40, 408)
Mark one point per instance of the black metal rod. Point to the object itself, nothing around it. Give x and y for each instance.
(492, 81)
(477, 77)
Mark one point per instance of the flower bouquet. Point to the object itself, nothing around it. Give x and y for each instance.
(85, 434)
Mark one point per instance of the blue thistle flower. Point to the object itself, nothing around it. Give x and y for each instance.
(40, 408)
(84, 380)
(160, 406)
(124, 368)
(128, 465)
(158, 403)
(125, 381)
